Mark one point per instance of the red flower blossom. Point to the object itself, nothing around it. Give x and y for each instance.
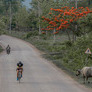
(50, 13)
(42, 29)
(43, 32)
(62, 17)
(72, 7)
(71, 20)
(56, 32)
(51, 9)
(52, 23)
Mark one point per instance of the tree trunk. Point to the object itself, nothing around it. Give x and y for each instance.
(54, 36)
(69, 38)
(73, 37)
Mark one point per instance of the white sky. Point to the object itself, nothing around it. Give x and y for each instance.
(27, 3)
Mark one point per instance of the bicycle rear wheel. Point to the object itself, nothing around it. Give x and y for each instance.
(19, 76)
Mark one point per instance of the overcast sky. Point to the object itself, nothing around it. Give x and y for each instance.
(27, 3)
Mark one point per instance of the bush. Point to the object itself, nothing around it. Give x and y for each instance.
(32, 33)
(68, 43)
(43, 36)
(65, 59)
(1, 49)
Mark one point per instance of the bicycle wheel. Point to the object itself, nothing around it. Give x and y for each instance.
(19, 76)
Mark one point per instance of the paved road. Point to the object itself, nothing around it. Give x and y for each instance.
(39, 75)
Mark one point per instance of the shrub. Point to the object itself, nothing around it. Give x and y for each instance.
(68, 43)
(32, 33)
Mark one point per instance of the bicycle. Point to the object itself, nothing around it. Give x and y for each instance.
(19, 75)
(8, 51)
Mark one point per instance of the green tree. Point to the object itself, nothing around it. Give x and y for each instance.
(21, 18)
(32, 21)
(8, 9)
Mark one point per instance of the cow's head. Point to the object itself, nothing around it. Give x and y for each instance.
(78, 72)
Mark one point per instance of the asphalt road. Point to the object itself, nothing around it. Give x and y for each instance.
(39, 75)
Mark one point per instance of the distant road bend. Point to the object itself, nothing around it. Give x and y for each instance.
(38, 76)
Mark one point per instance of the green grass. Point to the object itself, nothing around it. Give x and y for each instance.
(1, 49)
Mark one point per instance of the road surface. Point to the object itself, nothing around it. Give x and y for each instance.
(38, 76)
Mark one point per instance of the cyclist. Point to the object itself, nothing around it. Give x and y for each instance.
(8, 49)
(19, 67)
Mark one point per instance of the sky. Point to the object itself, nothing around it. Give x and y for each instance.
(26, 3)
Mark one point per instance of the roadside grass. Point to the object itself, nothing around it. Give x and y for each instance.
(1, 49)
(66, 56)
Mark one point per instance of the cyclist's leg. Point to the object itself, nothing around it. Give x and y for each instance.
(17, 74)
(21, 73)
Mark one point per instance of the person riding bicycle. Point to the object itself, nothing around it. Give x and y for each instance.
(19, 67)
(8, 49)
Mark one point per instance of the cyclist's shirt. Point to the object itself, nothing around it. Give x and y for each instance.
(19, 68)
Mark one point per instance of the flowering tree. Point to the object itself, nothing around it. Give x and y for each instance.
(64, 18)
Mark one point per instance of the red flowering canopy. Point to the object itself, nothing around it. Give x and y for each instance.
(64, 17)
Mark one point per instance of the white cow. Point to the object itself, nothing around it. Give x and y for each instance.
(86, 72)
